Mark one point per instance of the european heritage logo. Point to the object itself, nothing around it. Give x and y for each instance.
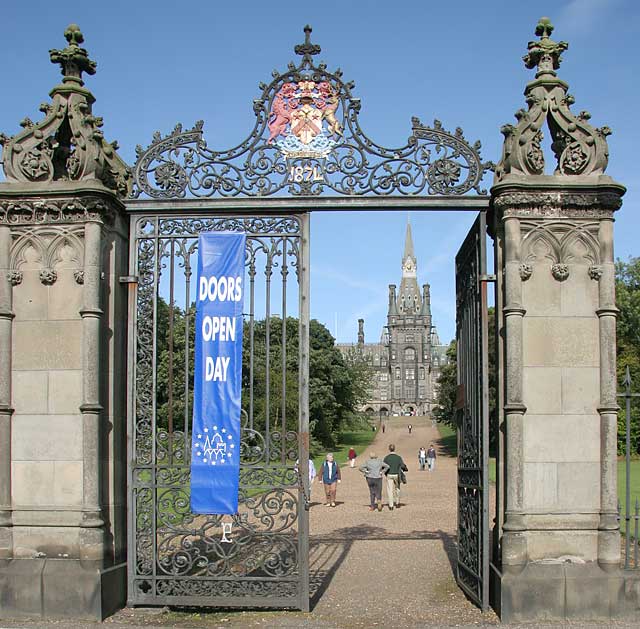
(217, 448)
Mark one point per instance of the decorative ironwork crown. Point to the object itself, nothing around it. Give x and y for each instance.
(67, 145)
(307, 141)
(579, 148)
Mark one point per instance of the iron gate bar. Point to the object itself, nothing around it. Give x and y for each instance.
(317, 204)
(269, 573)
(472, 414)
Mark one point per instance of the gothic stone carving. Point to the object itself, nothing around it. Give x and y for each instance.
(525, 271)
(15, 277)
(76, 209)
(67, 145)
(559, 243)
(558, 204)
(579, 148)
(48, 247)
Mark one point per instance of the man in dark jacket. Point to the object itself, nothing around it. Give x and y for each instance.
(395, 463)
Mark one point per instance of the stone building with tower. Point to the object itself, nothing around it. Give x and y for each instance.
(406, 361)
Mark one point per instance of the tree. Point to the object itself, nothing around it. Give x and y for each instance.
(628, 338)
(445, 410)
(337, 385)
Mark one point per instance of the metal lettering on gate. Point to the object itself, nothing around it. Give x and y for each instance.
(473, 414)
(260, 556)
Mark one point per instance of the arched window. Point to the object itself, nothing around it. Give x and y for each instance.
(409, 354)
(397, 373)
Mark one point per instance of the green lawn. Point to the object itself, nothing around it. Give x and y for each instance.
(448, 442)
(448, 439)
(358, 439)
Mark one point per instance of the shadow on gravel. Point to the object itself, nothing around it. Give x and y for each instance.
(448, 445)
(328, 552)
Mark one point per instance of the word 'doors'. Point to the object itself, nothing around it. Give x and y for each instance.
(220, 288)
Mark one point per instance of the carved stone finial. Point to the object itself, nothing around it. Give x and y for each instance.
(307, 50)
(68, 144)
(73, 59)
(579, 148)
(545, 54)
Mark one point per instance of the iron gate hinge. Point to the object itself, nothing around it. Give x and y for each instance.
(128, 279)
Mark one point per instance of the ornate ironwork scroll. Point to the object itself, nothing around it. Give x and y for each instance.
(259, 556)
(473, 415)
(307, 141)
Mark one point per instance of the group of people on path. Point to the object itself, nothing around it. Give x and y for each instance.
(427, 458)
(391, 469)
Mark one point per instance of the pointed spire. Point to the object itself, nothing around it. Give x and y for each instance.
(408, 244)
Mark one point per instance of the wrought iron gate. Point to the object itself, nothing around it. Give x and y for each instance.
(258, 557)
(473, 414)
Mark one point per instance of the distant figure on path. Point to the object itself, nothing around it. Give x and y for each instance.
(329, 476)
(409, 427)
(433, 422)
(312, 471)
(395, 463)
(373, 470)
(383, 428)
(352, 457)
(422, 457)
(431, 458)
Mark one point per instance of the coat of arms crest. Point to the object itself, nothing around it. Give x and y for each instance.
(302, 120)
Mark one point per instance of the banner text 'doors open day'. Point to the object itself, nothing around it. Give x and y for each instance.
(215, 458)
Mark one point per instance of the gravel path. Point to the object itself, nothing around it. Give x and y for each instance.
(393, 568)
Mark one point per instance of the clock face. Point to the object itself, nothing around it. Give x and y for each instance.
(408, 265)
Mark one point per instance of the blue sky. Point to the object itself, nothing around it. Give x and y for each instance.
(165, 62)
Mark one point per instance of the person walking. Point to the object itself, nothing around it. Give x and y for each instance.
(352, 457)
(383, 428)
(396, 464)
(431, 458)
(329, 476)
(410, 427)
(312, 471)
(422, 457)
(373, 470)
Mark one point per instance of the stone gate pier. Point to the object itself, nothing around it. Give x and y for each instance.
(560, 547)
(63, 246)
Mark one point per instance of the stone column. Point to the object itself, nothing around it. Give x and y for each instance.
(513, 547)
(609, 536)
(6, 411)
(92, 535)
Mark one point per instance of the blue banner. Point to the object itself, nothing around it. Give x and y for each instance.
(215, 441)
